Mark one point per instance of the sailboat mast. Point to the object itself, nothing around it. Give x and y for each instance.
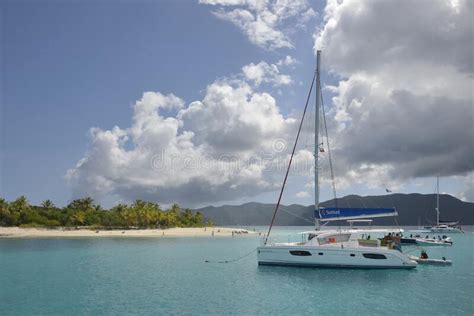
(316, 136)
(437, 200)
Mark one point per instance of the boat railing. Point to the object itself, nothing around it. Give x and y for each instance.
(293, 239)
(369, 242)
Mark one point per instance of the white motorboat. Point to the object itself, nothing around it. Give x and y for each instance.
(353, 248)
(431, 242)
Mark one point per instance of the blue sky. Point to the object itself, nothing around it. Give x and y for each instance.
(70, 66)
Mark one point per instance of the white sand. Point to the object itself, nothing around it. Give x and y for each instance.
(15, 232)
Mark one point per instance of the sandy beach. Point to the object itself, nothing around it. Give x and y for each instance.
(17, 232)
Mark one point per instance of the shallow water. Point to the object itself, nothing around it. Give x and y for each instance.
(170, 275)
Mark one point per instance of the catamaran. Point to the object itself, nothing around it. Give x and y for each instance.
(443, 227)
(350, 248)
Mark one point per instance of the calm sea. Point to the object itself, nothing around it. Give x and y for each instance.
(170, 276)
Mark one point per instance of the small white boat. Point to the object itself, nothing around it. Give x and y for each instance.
(419, 241)
(433, 242)
(439, 262)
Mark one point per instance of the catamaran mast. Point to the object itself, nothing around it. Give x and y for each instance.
(316, 137)
(293, 154)
(437, 201)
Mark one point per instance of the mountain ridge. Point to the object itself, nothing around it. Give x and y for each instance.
(412, 208)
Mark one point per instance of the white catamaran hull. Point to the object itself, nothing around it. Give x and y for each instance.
(329, 256)
(445, 230)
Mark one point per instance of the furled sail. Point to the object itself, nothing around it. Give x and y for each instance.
(341, 213)
(449, 223)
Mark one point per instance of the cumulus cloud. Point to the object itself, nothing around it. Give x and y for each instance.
(230, 144)
(403, 106)
(287, 61)
(267, 73)
(468, 193)
(264, 22)
(380, 33)
(235, 119)
(302, 194)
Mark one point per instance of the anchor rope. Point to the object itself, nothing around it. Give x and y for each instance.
(232, 260)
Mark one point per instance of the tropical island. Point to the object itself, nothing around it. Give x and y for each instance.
(82, 217)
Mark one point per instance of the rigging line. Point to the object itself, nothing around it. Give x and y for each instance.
(329, 157)
(329, 149)
(347, 201)
(396, 221)
(305, 131)
(300, 217)
(372, 201)
(395, 217)
(291, 159)
(429, 207)
(361, 200)
(392, 200)
(232, 260)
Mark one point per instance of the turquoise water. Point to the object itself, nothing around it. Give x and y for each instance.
(158, 276)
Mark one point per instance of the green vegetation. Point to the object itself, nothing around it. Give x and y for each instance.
(83, 212)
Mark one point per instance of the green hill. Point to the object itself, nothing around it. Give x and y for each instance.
(412, 209)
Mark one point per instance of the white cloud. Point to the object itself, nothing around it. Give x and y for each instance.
(403, 106)
(264, 21)
(401, 109)
(224, 2)
(468, 193)
(302, 194)
(266, 73)
(308, 15)
(383, 33)
(287, 61)
(220, 148)
(235, 119)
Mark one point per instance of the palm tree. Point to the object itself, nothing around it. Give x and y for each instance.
(3, 204)
(21, 204)
(79, 218)
(84, 204)
(5, 216)
(48, 204)
(87, 203)
(19, 210)
(173, 215)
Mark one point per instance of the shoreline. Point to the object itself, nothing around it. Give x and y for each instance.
(17, 232)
